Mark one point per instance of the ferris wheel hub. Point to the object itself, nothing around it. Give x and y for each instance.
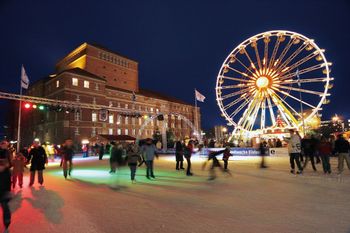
(262, 82)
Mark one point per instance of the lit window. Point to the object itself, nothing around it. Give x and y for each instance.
(151, 109)
(126, 106)
(119, 131)
(77, 116)
(133, 131)
(140, 121)
(96, 87)
(126, 120)
(74, 81)
(57, 83)
(111, 119)
(86, 84)
(110, 131)
(94, 117)
(119, 119)
(126, 132)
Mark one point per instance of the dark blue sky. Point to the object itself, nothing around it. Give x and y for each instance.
(180, 45)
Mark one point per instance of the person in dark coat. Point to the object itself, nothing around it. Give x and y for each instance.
(133, 158)
(215, 163)
(101, 151)
(308, 147)
(5, 182)
(37, 158)
(263, 149)
(179, 155)
(341, 148)
(67, 157)
(116, 156)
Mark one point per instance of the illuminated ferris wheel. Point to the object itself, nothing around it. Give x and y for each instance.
(273, 79)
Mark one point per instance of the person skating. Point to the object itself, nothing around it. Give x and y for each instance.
(116, 156)
(294, 149)
(5, 183)
(308, 148)
(341, 147)
(325, 150)
(67, 157)
(133, 158)
(18, 164)
(179, 155)
(188, 150)
(226, 157)
(263, 149)
(101, 151)
(38, 159)
(215, 163)
(149, 152)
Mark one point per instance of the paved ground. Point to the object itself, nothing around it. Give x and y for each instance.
(252, 200)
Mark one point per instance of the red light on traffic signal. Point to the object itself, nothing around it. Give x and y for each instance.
(27, 105)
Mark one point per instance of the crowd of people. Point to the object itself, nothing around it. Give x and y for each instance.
(301, 152)
(317, 150)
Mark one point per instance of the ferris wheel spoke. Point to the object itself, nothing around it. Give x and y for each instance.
(247, 112)
(274, 52)
(233, 86)
(235, 79)
(302, 61)
(239, 108)
(301, 90)
(309, 80)
(295, 98)
(281, 109)
(234, 94)
(254, 115)
(266, 52)
(229, 105)
(250, 60)
(291, 57)
(240, 72)
(240, 62)
(290, 107)
(272, 114)
(284, 51)
(257, 56)
(303, 71)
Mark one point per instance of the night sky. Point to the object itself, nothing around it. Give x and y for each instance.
(180, 45)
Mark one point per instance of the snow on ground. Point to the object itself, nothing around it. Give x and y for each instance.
(252, 200)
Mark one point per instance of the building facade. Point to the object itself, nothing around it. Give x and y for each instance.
(93, 74)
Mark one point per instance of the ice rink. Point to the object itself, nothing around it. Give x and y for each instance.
(252, 200)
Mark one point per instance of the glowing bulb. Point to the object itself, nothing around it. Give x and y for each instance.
(262, 82)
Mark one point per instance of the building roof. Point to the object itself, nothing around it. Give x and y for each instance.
(110, 51)
(151, 94)
(82, 72)
(158, 95)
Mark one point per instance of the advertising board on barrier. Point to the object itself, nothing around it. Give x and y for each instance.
(279, 152)
(235, 151)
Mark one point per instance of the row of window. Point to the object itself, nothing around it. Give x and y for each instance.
(75, 82)
(113, 59)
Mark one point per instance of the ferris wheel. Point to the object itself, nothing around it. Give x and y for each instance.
(273, 79)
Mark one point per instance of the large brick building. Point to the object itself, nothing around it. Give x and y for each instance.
(93, 74)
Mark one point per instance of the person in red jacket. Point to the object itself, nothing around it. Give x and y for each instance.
(325, 150)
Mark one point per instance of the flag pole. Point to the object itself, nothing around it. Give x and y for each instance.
(19, 118)
(196, 114)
